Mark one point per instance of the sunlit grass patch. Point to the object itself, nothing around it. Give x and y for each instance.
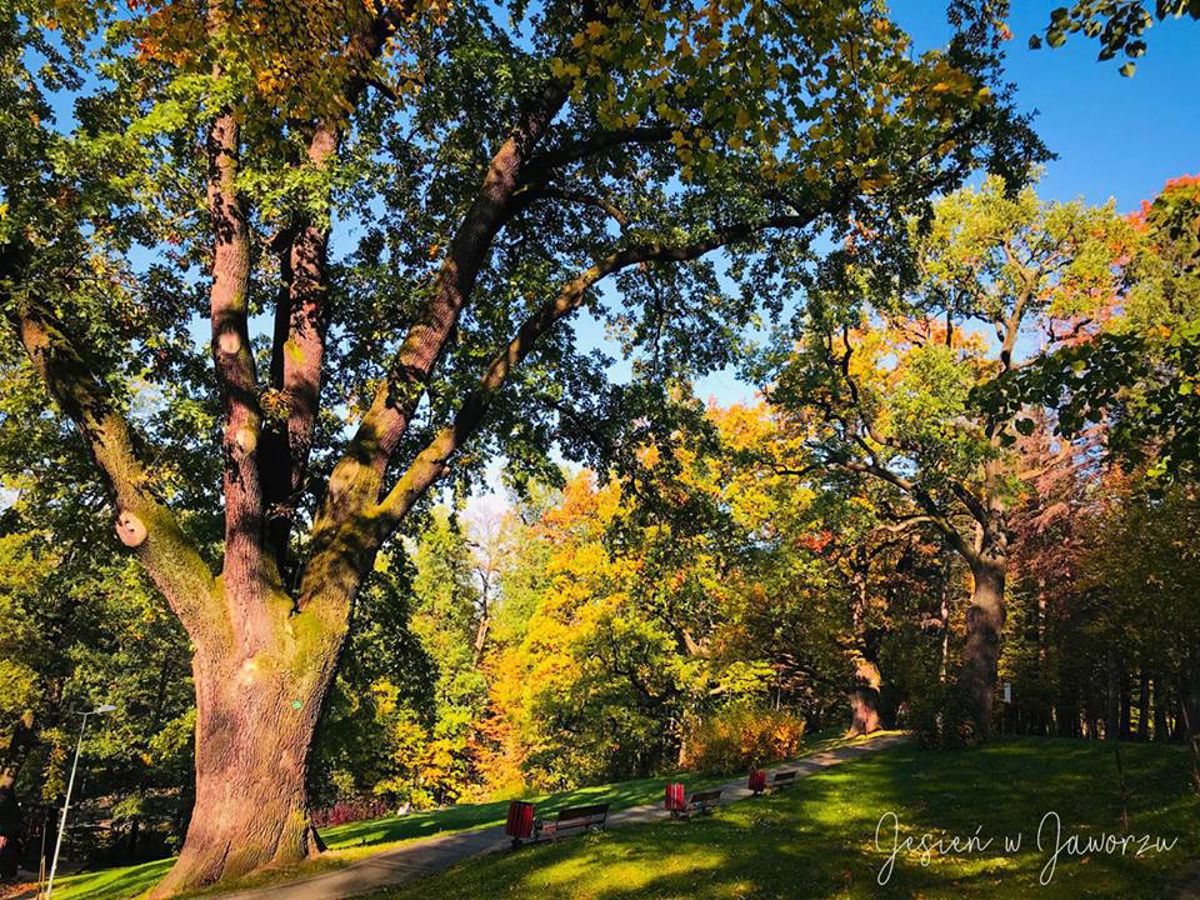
(357, 840)
(818, 838)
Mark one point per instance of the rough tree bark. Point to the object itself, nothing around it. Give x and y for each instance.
(260, 682)
(255, 722)
(981, 652)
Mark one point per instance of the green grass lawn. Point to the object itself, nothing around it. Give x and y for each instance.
(818, 839)
(356, 840)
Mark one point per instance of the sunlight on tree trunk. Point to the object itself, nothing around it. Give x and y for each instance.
(864, 700)
(256, 718)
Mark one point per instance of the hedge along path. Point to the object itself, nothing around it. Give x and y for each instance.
(427, 856)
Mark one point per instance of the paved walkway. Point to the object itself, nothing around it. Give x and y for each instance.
(427, 856)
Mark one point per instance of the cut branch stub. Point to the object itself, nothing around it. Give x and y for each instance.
(246, 439)
(130, 529)
(230, 342)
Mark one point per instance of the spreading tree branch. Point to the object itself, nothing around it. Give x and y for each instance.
(358, 476)
(432, 462)
(302, 311)
(546, 164)
(144, 522)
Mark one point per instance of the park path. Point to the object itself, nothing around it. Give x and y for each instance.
(427, 856)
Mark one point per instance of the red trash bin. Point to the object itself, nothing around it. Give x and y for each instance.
(519, 826)
(758, 780)
(676, 800)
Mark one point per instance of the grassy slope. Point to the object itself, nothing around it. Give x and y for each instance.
(817, 840)
(356, 840)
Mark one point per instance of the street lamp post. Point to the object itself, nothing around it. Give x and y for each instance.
(62, 828)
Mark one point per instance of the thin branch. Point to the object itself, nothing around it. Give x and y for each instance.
(528, 196)
(923, 498)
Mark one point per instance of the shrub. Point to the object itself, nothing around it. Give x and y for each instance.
(940, 717)
(350, 811)
(740, 737)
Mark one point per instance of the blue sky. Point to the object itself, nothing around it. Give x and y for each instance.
(1115, 137)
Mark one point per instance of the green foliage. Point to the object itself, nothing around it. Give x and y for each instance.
(1119, 25)
(402, 721)
(1008, 261)
(740, 737)
(74, 634)
(384, 688)
(940, 717)
(125, 170)
(1139, 371)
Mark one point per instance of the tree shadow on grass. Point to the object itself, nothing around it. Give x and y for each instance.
(818, 839)
(477, 815)
(622, 795)
(107, 884)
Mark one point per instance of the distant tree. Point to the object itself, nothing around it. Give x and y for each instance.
(1140, 372)
(447, 615)
(882, 385)
(382, 704)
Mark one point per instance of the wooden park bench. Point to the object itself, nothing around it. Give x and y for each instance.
(680, 806)
(705, 801)
(783, 779)
(759, 781)
(572, 818)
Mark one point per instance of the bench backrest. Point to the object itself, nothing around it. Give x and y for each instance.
(785, 776)
(707, 796)
(594, 811)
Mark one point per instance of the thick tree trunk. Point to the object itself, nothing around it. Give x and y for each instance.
(864, 699)
(981, 654)
(864, 706)
(255, 720)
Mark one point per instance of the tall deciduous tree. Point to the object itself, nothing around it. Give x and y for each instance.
(885, 393)
(498, 163)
